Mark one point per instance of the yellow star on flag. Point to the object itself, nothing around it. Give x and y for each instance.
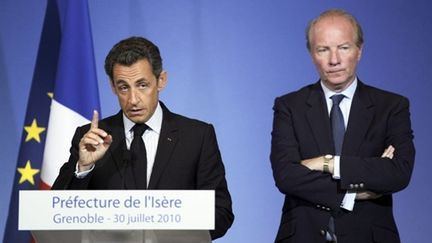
(27, 173)
(33, 131)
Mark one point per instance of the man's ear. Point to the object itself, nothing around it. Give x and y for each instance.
(360, 52)
(162, 81)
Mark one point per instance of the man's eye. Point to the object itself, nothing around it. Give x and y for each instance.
(123, 88)
(142, 85)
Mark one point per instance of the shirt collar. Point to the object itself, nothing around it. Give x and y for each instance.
(154, 123)
(348, 92)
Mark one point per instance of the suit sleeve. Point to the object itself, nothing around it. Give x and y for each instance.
(66, 178)
(211, 176)
(392, 126)
(291, 177)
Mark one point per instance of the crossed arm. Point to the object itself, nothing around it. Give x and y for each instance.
(318, 164)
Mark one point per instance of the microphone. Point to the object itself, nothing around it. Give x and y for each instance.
(122, 163)
(127, 158)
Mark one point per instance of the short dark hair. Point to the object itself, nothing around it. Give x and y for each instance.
(336, 12)
(131, 50)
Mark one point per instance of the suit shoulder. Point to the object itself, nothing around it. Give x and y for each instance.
(303, 91)
(184, 121)
(298, 97)
(383, 96)
(192, 129)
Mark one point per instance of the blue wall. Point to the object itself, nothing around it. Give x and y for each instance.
(227, 61)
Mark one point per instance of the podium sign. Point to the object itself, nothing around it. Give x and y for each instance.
(121, 236)
(117, 210)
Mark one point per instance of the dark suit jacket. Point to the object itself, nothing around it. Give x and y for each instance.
(187, 157)
(301, 130)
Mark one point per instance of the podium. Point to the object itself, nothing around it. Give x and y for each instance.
(122, 236)
(123, 216)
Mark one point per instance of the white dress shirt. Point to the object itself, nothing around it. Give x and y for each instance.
(345, 106)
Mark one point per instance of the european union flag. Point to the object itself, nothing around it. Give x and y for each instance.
(65, 77)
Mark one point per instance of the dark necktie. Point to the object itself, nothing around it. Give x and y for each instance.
(337, 122)
(139, 156)
(338, 130)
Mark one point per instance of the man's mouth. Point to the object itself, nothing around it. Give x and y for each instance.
(135, 111)
(335, 71)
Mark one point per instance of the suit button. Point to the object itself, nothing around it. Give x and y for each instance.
(361, 185)
(356, 186)
(322, 232)
(351, 186)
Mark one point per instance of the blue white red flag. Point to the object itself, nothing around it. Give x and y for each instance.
(63, 95)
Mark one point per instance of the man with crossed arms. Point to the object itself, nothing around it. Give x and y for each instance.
(338, 175)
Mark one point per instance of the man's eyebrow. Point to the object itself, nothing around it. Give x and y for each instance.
(119, 81)
(141, 80)
(345, 43)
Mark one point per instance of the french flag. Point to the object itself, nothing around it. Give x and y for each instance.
(63, 96)
(76, 92)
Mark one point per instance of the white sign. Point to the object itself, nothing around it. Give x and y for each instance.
(117, 209)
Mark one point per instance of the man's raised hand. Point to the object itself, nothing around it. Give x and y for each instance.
(93, 144)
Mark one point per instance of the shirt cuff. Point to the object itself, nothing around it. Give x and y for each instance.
(336, 167)
(349, 200)
(82, 174)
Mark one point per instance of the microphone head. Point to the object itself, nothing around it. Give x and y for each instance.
(127, 155)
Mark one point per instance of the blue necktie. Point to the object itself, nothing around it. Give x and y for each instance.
(139, 156)
(338, 131)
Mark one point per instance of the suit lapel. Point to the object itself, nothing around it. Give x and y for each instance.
(318, 119)
(360, 118)
(167, 141)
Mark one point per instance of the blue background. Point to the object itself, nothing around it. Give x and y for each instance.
(227, 61)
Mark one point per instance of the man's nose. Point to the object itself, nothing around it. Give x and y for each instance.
(133, 97)
(334, 58)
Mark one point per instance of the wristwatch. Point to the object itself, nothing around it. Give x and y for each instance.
(327, 159)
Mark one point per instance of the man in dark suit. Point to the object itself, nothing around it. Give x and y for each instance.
(180, 153)
(340, 148)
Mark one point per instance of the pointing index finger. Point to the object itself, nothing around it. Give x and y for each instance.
(95, 120)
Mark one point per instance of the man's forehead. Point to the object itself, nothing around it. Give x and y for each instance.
(331, 21)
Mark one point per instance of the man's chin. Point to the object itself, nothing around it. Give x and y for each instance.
(342, 85)
(339, 83)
